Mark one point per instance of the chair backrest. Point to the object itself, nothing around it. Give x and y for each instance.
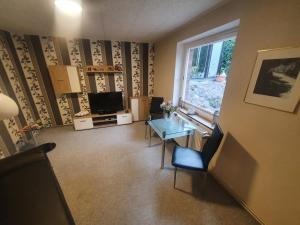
(212, 145)
(155, 104)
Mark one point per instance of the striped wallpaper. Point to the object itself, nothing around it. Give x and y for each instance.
(24, 77)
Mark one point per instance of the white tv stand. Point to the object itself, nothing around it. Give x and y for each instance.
(102, 120)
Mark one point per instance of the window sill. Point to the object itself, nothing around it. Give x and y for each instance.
(197, 119)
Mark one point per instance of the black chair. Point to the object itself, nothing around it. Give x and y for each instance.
(190, 159)
(156, 111)
(29, 191)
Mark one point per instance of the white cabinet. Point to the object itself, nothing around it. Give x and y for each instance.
(135, 108)
(125, 118)
(140, 108)
(83, 123)
(73, 79)
(96, 121)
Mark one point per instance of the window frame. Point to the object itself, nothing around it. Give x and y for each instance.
(225, 35)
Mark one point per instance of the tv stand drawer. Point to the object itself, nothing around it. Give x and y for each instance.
(83, 123)
(125, 118)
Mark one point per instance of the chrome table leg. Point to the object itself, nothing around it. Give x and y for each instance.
(149, 136)
(163, 149)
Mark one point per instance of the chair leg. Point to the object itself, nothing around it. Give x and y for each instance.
(175, 171)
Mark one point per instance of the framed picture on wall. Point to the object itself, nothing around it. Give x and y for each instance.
(275, 81)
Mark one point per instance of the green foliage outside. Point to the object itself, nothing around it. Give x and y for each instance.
(201, 55)
(203, 58)
(226, 56)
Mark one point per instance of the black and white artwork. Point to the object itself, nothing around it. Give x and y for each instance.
(275, 79)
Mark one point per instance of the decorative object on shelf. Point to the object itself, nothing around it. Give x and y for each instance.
(275, 82)
(31, 133)
(118, 67)
(81, 113)
(94, 68)
(8, 107)
(168, 109)
(110, 68)
(103, 69)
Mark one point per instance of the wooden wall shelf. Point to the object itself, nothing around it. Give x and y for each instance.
(91, 72)
(101, 69)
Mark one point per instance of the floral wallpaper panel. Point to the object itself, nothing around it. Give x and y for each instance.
(136, 69)
(31, 78)
(97, 57)
(15, 82)
(117, 60)
(52, 59)
(151, 70)
(55, 50)
(75, 58)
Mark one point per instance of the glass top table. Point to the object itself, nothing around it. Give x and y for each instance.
(173, 127)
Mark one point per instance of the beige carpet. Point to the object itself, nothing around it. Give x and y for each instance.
(110, 176)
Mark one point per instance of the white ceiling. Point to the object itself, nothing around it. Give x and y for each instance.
(132, 20)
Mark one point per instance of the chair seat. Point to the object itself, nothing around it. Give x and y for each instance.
(187, 158)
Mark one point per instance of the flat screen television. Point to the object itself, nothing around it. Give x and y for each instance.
(106, 102)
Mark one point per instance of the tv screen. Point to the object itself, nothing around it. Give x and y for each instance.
(105, 103)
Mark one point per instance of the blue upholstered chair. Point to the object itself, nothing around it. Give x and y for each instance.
(191, 159)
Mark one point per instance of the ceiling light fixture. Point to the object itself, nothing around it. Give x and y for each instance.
(70, 7)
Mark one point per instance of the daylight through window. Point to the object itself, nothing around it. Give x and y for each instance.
(206, 74)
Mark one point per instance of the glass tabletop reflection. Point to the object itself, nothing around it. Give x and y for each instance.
(168, 128)
(174, 125)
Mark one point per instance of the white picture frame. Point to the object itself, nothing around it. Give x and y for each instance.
(275, 81)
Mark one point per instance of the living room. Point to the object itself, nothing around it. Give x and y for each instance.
(155, 112)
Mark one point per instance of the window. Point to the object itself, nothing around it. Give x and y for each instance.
(206, 71)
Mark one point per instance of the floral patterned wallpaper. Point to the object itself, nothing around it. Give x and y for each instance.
(31, 77)
(24, 76)
(51, 58)
(117, 60)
